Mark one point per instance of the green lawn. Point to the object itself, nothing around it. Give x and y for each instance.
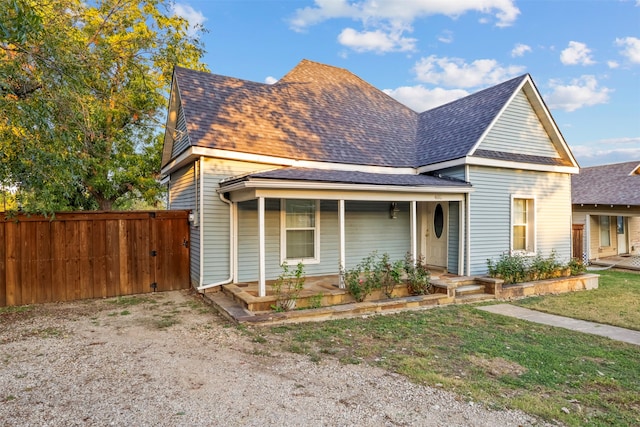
(500, 361)
(615, 302)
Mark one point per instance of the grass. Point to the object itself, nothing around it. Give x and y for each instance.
(615, 302)
(500, 361)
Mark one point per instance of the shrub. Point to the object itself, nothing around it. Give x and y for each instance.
(576, 266)
(371, 274)
(288, 286)
(417, 275)
(519, 268)
(510, 268)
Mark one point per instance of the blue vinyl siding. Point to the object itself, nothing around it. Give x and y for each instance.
(368, 228)
(518, 130)
(182, 195)
(491, 217)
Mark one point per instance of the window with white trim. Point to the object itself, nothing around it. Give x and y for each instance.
(523, 225)
(300, 230)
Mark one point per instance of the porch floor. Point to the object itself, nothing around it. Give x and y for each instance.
(322, 299)
(626, 262)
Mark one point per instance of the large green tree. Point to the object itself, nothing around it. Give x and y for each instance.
(83, 88)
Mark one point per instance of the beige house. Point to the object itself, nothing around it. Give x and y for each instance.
(606, 210)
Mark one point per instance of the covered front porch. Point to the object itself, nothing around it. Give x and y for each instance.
(332, 225)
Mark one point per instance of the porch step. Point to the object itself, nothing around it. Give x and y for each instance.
(227, 306)
(469, 290)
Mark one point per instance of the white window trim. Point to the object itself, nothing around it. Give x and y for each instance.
(533, 233)
(283, 237)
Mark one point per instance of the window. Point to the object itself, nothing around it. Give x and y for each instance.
(605, 231)
(523, 225)
(300, 230)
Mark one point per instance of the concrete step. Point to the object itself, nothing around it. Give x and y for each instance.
(469, 290)
(227, 306)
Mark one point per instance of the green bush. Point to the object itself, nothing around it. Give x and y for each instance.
(373, 273)
(417, 275)
(518, 268)
(288, 286)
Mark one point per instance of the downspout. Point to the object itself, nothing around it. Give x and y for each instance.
(228, 280)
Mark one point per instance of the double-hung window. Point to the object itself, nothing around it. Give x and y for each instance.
(300, 230)
(523, 226)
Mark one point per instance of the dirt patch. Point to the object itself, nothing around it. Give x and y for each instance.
(498, 367)
(168, 360)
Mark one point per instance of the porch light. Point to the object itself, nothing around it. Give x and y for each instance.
(393, 210)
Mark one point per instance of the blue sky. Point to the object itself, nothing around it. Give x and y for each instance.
(583, 55)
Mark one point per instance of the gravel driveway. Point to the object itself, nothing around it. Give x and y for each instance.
(168, 360)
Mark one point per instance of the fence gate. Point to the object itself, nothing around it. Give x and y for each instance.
(577, 241)
(80, 255)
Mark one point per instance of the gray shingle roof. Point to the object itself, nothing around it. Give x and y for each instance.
(316, 112)
(354, 177)
(323, 113)
(607, 185)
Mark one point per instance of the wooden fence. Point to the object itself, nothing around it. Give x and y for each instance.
(80, 255)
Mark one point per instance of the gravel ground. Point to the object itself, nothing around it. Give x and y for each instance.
(170, 361)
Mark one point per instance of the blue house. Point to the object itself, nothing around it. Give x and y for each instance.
(323, 168)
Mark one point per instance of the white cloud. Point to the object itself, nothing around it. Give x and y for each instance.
(581, 92)
(605, 152)
(631, 48)
(270, 80)
(421, 99)
(195, 18)
(612, 64)
(576, 53)
(446, 37)
(455, 72)
(520, 49)
(385, 21)
(376, 41)
(406, 11)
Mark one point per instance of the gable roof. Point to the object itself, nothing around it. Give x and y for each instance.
(321, 113)
(450, 131)
(614, 184)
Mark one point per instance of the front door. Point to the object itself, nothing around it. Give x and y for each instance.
(434, 233)
(622, 235)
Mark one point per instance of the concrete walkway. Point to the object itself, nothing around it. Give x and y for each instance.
(613, 332)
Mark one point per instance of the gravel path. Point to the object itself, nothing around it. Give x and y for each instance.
(169, 361)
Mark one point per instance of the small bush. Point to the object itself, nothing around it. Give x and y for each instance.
(576, 266)
(373, 273)
(518, 268)
(288, 286)
(417, 275)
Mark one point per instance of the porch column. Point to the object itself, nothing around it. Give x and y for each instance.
(414, 230)
(586, 248)
(461, 232)
(342, 240)
(262, 289)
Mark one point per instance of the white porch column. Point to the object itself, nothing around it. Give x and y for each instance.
(414, 230)
(461, 233)
(586, 239)
(262, 289)
(342, 240)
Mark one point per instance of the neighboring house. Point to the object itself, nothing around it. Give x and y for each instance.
(323, 168)
(606, 210)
